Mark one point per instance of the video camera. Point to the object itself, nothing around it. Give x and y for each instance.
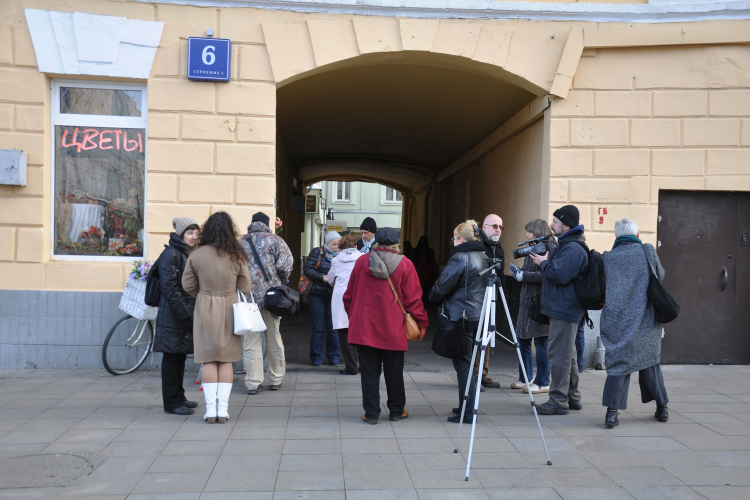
(536, 246)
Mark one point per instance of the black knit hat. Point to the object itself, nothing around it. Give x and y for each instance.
(387, 236)
(369, 225)
(568, 215)
(261, 217)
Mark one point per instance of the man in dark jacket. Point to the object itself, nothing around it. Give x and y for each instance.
(368, 229)
(560, 303)
(492, 229)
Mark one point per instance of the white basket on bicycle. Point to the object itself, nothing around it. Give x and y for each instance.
(133, 300)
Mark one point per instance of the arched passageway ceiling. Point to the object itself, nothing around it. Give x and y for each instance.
(421, 112)
(393, 174)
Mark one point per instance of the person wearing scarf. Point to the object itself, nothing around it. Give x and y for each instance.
(630, 335)
(319, 300)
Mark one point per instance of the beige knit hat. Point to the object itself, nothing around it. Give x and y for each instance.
(181, 223)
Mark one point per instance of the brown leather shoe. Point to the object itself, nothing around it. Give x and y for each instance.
(371, 421)
(489, 383)
(396, 418)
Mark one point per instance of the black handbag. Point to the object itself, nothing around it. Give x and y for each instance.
(666, 308)
(450, 339)
(153, 286)
(279, 300)
(534, 310)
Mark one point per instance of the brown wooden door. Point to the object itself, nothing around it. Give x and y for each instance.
(707, 272)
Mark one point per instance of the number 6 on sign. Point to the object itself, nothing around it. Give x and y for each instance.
(209, 59)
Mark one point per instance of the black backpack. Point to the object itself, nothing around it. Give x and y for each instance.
(591, 286)
(153, 286)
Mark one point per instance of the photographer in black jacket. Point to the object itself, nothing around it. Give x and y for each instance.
(560, 303)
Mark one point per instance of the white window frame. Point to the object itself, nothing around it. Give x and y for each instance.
(352, 193)
(69, 119)
(384, 200)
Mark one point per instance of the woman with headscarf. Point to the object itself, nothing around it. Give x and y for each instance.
(174, 321)
(631, 336)
(213, 274)
(376, 323)
(316, 269)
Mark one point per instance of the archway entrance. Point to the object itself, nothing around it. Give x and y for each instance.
(408, 120)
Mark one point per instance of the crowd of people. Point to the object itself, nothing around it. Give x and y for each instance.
(364, 292)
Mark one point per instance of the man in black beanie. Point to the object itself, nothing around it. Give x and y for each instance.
(560, 303)
(368, 228)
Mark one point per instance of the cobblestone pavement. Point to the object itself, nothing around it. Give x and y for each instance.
(106, 437)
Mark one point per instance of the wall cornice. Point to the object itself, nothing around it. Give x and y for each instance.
(660, 11)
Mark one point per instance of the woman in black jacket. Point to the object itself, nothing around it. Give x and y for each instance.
(319, 301)
(174, 322)
(461, 290)
(528, 330)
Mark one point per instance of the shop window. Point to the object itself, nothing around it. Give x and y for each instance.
(98, 170)
(389, 196)
(343, 192)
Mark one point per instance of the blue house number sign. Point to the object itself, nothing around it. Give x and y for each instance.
(209, 59)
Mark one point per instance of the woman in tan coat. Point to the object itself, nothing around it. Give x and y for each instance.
(213, 274)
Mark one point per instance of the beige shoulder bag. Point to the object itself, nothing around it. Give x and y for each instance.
(412, 330)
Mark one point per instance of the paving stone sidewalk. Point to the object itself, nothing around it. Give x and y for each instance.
(307, 442)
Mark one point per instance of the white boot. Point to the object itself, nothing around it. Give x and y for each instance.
(209, 392)
(223, 396)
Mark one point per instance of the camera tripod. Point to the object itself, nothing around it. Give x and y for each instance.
(486, 332)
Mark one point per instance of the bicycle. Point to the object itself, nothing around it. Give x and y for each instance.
(128, 344)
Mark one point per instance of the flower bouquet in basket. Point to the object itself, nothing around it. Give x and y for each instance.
(133, 298)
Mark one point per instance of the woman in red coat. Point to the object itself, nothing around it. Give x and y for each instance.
(376, 325)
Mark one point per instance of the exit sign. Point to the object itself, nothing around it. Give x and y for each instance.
(209, 59)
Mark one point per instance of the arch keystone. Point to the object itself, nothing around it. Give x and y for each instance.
(492, 45)
(418, 34)
(377, 35)
(456, 39)
(332, 41)
(290, 49)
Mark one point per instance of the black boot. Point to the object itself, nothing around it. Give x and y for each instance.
(611, 419)
(662, 413)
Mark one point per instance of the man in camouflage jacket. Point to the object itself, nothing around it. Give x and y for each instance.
(277, 261)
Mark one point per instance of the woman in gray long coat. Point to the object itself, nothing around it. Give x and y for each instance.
(630, 335)
(528, 330)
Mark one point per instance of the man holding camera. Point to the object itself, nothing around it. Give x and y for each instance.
(560, 303)
(492, 228)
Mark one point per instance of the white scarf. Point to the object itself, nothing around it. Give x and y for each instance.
(367, 245)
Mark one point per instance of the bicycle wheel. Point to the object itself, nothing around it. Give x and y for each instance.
(127, 345)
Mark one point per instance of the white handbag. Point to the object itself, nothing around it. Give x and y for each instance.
(247, 318)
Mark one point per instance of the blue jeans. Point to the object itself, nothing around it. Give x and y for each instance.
(542, 363)
(580, 346)
(322, 332)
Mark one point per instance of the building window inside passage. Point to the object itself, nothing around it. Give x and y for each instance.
(342, 192)
(390, 195)
(99, 170)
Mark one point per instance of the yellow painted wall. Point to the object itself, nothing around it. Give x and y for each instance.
(636, 121)
(641, 120)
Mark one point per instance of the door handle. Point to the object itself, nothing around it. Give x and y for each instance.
(724, 279)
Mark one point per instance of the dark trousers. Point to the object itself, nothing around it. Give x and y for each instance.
(542, 363)
(392, 362)
(172, 374)
(349, 352)
(580, 346)
(561, 351)
(322, 332)
(650, 380)
(463, 367)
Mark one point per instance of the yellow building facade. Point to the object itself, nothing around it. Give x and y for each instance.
(466, 112)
